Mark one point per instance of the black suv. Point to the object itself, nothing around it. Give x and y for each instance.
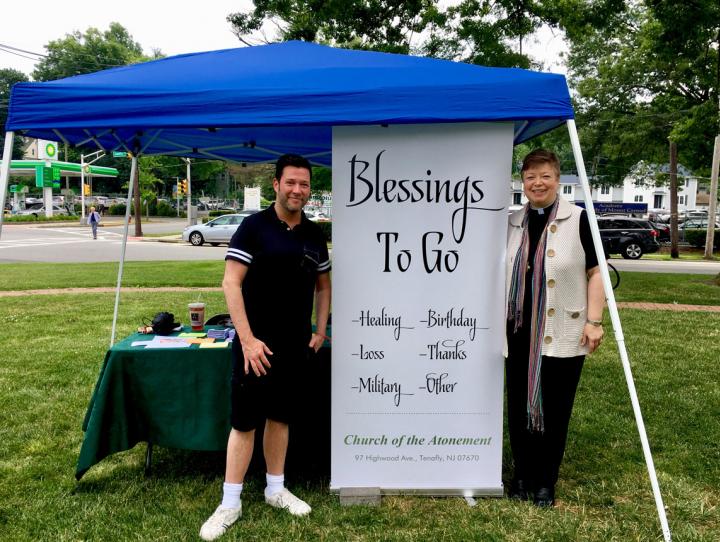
(629, 237)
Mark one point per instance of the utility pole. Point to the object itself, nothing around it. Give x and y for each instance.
(712, 211)
(673, 202)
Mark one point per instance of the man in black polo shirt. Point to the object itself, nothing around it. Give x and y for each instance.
(276, 263)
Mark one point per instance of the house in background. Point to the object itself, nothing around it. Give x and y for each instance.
(30, 149)
(639, 187)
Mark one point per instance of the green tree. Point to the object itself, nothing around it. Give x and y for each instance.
(489, 33)
(644, 72)
(88, 52)
(381, 25)
(8, 77)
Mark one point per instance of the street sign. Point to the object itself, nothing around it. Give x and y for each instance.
(119, 154)
(606, 207)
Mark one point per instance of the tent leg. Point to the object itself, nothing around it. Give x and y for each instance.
(5, 173)
(133, 169)
(617, 327)
(189, 192)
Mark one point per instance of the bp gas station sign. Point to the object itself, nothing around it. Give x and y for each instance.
(47, 150)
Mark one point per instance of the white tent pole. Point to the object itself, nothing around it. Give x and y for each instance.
(615, 318)
(189, 192)
(133, 169)
(5, 173)
(82, 189)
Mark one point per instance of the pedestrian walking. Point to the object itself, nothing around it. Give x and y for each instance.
(94, 220)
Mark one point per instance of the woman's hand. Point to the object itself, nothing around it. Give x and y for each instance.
(592, 337)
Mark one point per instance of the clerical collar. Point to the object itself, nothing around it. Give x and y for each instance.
(541, 210)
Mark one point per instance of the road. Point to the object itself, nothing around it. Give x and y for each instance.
(65, 243)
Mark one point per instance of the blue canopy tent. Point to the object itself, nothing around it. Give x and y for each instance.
(254, 104)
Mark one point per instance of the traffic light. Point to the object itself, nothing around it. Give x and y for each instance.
(86, 189)
(184, 186)
(178, 188)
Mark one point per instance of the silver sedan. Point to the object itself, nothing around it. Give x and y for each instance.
(218, 230)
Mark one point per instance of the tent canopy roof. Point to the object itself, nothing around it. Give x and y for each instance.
(254, 103)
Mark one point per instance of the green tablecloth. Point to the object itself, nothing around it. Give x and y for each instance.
(177, 398)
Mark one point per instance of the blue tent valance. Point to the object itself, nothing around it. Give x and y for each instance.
(253, 103)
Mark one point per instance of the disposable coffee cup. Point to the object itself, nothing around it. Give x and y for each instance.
(197, 316)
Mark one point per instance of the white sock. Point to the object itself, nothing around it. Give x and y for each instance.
(275, 484)
(231, 495)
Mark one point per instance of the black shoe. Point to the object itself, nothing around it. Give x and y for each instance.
(544, 497)
(519, 490)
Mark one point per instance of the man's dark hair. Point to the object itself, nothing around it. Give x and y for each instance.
(539, 157)
(294, 160)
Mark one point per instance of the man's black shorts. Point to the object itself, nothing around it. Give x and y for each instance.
(273, 396)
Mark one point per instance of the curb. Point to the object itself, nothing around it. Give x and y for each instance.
(156, 239)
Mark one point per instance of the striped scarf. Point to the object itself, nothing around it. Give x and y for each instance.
(516, 300)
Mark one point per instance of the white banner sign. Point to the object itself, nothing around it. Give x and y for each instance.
(251, 200)
(419, 229)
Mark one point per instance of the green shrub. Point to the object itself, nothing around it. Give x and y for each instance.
(326, 228)
(33, 218)
(117, 209)
(696, 237)
(165, 209)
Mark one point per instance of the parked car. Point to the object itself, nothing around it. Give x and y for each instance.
(629, 237)
(218, 230)
(40, 211)
(697, 223)
(317, 216)
(663, 231)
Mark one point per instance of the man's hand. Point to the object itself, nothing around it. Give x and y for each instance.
(255, 353)
(316, 341)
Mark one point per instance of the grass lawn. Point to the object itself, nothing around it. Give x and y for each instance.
(650, 287)
(53, 348)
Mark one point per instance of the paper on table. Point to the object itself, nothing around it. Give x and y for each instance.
(140, 343)
(214, 345)
(200, 340)
(195, 335)
(168, 342)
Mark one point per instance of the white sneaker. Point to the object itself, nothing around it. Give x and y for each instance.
(288, 501)
(219, 522)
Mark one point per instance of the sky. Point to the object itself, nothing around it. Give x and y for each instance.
(176, 27)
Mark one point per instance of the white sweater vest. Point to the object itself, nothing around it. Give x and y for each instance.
(565, 281)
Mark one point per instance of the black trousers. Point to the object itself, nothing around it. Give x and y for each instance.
(537, 456)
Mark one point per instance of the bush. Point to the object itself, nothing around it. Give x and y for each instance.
(32, 218)
(165, 209)
(326, 228)
(117, 209)
(696, 237)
